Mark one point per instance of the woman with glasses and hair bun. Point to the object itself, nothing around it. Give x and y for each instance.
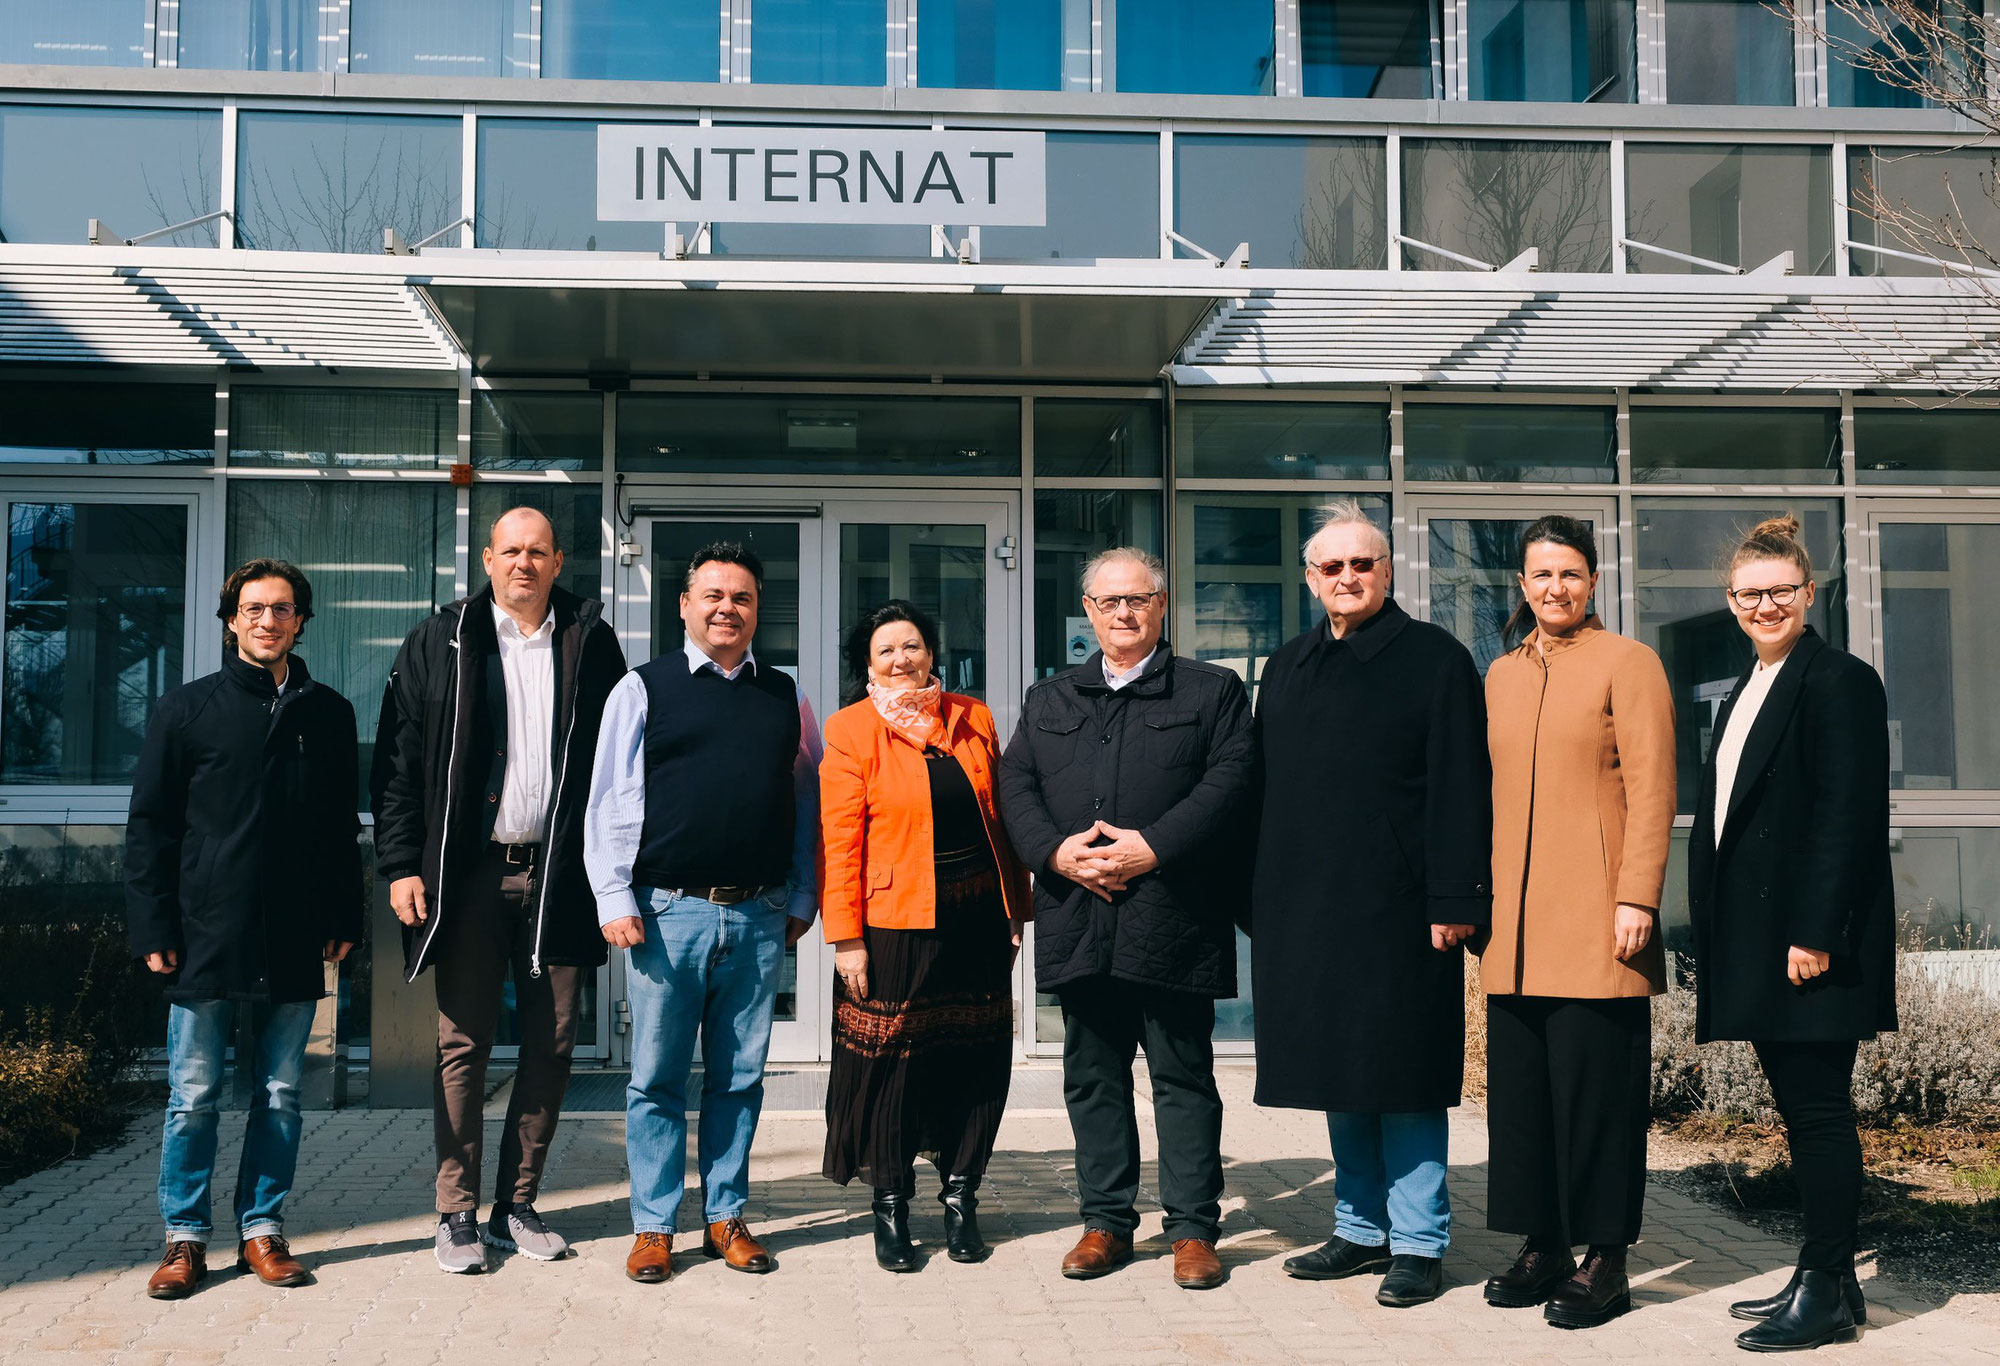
(1580, 726)
(1794, 914)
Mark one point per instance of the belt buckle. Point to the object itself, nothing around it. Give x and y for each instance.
(730, 896)
(526, 851)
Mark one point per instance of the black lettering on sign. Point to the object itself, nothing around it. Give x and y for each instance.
(814, 175)
(992, 160)
(693, 190)
(772, 175)
(938, 163)
(895, 193)
(732, 153)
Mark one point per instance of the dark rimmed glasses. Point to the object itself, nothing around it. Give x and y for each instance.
(1111, 602)
(1362, 564)
(1749, 599)
(280, 611)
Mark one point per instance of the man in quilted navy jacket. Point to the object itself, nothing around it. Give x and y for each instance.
(1125, 789)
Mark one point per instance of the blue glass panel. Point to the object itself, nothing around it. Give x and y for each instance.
(1103, 200)
(331, 182)
(990, 44)
(1366, 49)
(1570, 51)
(73, 32)
(440, 37)
(820, 42)
(1728, 52)
(136, 169)
(538, 189)
(1961, 26)
(251, 35)
(1196, 47)
(633, 40)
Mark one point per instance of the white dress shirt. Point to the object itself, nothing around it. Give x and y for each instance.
(1115, 680)
(529, 664)
(1729, 744)
(616, 813)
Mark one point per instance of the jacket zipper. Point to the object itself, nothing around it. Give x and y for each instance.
(555, 807)
(450, 770)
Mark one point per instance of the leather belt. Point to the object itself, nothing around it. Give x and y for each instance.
(722, 896)
(520, 855)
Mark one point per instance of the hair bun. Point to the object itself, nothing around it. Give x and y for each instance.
(1784, 527)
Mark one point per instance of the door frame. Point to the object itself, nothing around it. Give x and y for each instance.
(820, 515)
(1420, 509)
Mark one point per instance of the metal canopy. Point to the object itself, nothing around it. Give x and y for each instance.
(1594, 332)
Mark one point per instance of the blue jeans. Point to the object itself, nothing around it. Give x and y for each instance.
(1388, 1181)
(714, 969)
(198, 1037)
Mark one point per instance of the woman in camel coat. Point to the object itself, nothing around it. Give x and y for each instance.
(1581, 732)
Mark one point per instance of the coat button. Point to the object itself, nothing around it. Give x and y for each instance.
(1763, 834)
(493, 796)
(1764, 892)
(1097, 803)
(1107, 737)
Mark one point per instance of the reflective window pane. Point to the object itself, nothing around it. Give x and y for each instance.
(1569, 51)
(1728, 52)
(1315, 203)
(942, 569)
(1741, 205)
(1512, 441)
(1084, 437)
(512, 430)
(1941, 654)
(537, 190)
(820, 42)
(1195, 47)
(1909, 446)
(821, 434)
(805, 241)
(990, 44)
(332, 182)
(107, 424)
(74, 32)
(1103, 200)
(1948, 884)
(1735, 445)
(440, 37)
(1071, 525)
(1367, 49)
(632, 40)
(136, 169)
(1282, 440)
(361, 428)
(1473, 567)
(1681, 545)
(380, 560)
(1492, 200)
(251, 35)
(96, 625)
(1943, 204)
(577, 513)
(1875, 60)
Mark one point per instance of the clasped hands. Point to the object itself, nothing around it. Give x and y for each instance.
(1108, 867)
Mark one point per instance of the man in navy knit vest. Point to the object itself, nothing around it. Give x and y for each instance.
(701, 839)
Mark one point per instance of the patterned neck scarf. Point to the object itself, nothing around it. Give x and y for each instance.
(916, 714)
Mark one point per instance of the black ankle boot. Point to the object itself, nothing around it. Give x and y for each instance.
(1598, 1293)
(962, 1242)
(1817, 1313)
(1543, 1265)
(1755, 1310)
(892, 1232)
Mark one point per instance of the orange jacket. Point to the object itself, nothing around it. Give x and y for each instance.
(877, 863)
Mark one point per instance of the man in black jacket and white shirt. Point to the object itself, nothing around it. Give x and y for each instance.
(482, 763)
(242, 876)
(1122, 788)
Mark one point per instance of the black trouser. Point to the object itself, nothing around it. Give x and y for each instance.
(1105, 1022)
(1568, 1092)
(493, 927)
(1813, 1083)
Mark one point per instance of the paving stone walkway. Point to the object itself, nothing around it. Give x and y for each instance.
(80, 1240)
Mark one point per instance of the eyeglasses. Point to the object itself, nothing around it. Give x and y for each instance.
(1363, 564)
(1111, 602)
(1781, 595)
(280, 611)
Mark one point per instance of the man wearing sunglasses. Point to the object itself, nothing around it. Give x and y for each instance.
(1373, 867)
(1124, 789)
(242, 880)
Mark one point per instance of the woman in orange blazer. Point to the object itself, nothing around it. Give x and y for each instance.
(922, 899)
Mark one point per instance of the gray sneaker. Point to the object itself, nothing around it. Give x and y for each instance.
(519, 1229)
(458, 1249)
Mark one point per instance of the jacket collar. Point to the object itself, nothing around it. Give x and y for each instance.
(255, 678)
(1153, 680)
(1539, 647)
(1769, 726)
(1371, 637)
(476, 612)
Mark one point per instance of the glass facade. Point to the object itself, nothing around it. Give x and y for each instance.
(1735, 445)
(537, 190)
(818, 435)
(1912, 446)
(820, 42)
(1195, 47)
(631, 40)
(1368, 49)
(1491, 200)
(1740, 205)
(135, 169)
(333, 182)
(515, 430)
(1930, 202)
(355, 428)
(106, 424)
(990, 44)
(250, 35)
(1573, 51)
(1097, 437)
(1940, 652)
(1103, 200)
(1313, 203)
(1728, 52)
(439, 37)
(73, 33)
(1492, 443)
(1224, 440)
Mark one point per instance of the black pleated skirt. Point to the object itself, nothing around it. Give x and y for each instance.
(920, 1068)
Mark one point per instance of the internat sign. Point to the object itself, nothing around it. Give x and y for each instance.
(936, 299)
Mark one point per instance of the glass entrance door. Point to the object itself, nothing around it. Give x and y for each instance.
(1466, 554)
(825, 564)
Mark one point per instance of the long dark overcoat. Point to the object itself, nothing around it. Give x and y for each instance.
(1804, 860)
(1377, 823)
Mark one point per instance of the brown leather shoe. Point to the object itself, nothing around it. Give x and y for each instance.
(183, 1268)
(651, 1260)
(1096, 1253)
(731, 1241)
(272, 1260)
(1196, 1267)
